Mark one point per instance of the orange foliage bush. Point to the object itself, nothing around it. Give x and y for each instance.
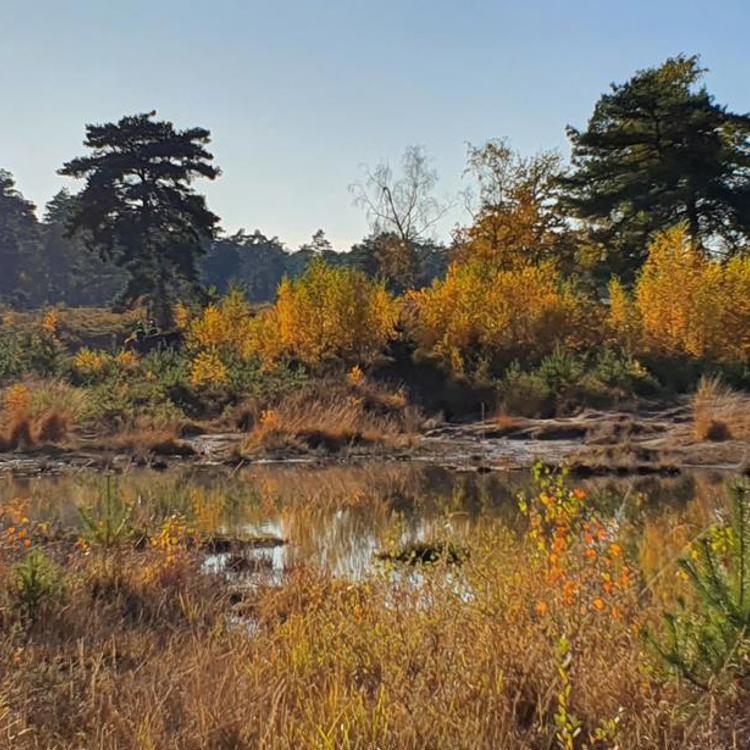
(686, 303)
(328, 313)
(500, 314)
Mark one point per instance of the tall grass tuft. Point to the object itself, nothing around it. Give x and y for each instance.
(720, 413)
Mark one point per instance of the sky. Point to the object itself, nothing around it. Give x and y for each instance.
(299, 95)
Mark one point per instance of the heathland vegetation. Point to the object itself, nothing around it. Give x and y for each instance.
(590, 621)
(624, 274)
(576, 617)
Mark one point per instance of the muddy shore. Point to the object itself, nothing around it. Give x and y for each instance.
(656, 440)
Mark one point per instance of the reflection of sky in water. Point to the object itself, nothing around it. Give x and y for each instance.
(333, 516)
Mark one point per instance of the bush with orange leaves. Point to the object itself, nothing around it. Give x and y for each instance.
(576, 550)
(685, 303)
(326, 314)
(477, 313)
(334, 313)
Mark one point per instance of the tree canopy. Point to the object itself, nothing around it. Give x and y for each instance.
(18, 236)
(139, 209)
(657, 151)
(516, 214)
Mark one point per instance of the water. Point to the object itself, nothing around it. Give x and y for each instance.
(337, 516)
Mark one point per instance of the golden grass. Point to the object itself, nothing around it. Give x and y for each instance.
(332, 416)
(144, 649)
(137, 652)
(720, 413)
(142, 442)
(40, 412)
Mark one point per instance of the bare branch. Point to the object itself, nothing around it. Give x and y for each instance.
(404, 205)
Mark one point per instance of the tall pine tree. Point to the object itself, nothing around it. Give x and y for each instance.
(19, 244)
(138, 207)
(658, 150)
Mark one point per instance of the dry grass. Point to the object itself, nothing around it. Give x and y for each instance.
(720, 413)
(25, 434)
(44, 412)
(136, 651)
(506, 423)
(75, 321)
(143, 443)
(332, 416)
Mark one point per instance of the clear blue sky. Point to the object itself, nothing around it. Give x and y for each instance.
(299, 94)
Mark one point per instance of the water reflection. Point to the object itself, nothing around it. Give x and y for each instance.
(339, 516)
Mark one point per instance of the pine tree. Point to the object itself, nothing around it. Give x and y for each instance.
(139, 209)
(19, 244)
(658, 150)
(711, 637)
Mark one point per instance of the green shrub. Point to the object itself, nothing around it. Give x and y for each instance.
(108, 523)
(37, 581)
(709, 637)
(622, 371)
(10, 357)
(524, 393)
(561, 370)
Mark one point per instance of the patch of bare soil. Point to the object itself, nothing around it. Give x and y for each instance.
(645, 440)
(642, 441)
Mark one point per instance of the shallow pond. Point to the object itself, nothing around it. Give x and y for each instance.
(340, 516)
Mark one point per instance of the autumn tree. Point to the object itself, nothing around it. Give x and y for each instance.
(480, 317)
(402, 210)
(333, 313)
(139, 209)
(516, 214)
(690, 304)
(658, 150)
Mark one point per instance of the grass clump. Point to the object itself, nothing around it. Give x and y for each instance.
(720, 413)
(332, 415)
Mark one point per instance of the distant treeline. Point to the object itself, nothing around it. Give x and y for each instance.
(41, 265)
(658, 152)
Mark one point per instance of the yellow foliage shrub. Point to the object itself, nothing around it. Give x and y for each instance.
(686, 303)
(334, 313)
(90, 362)
(355, 377)
(623, 321)
(126, 361)
(227, 325)
(208, 370)
(16, 400)
(502, 314)
(51, 322)
(181, 316)
(327, 313)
